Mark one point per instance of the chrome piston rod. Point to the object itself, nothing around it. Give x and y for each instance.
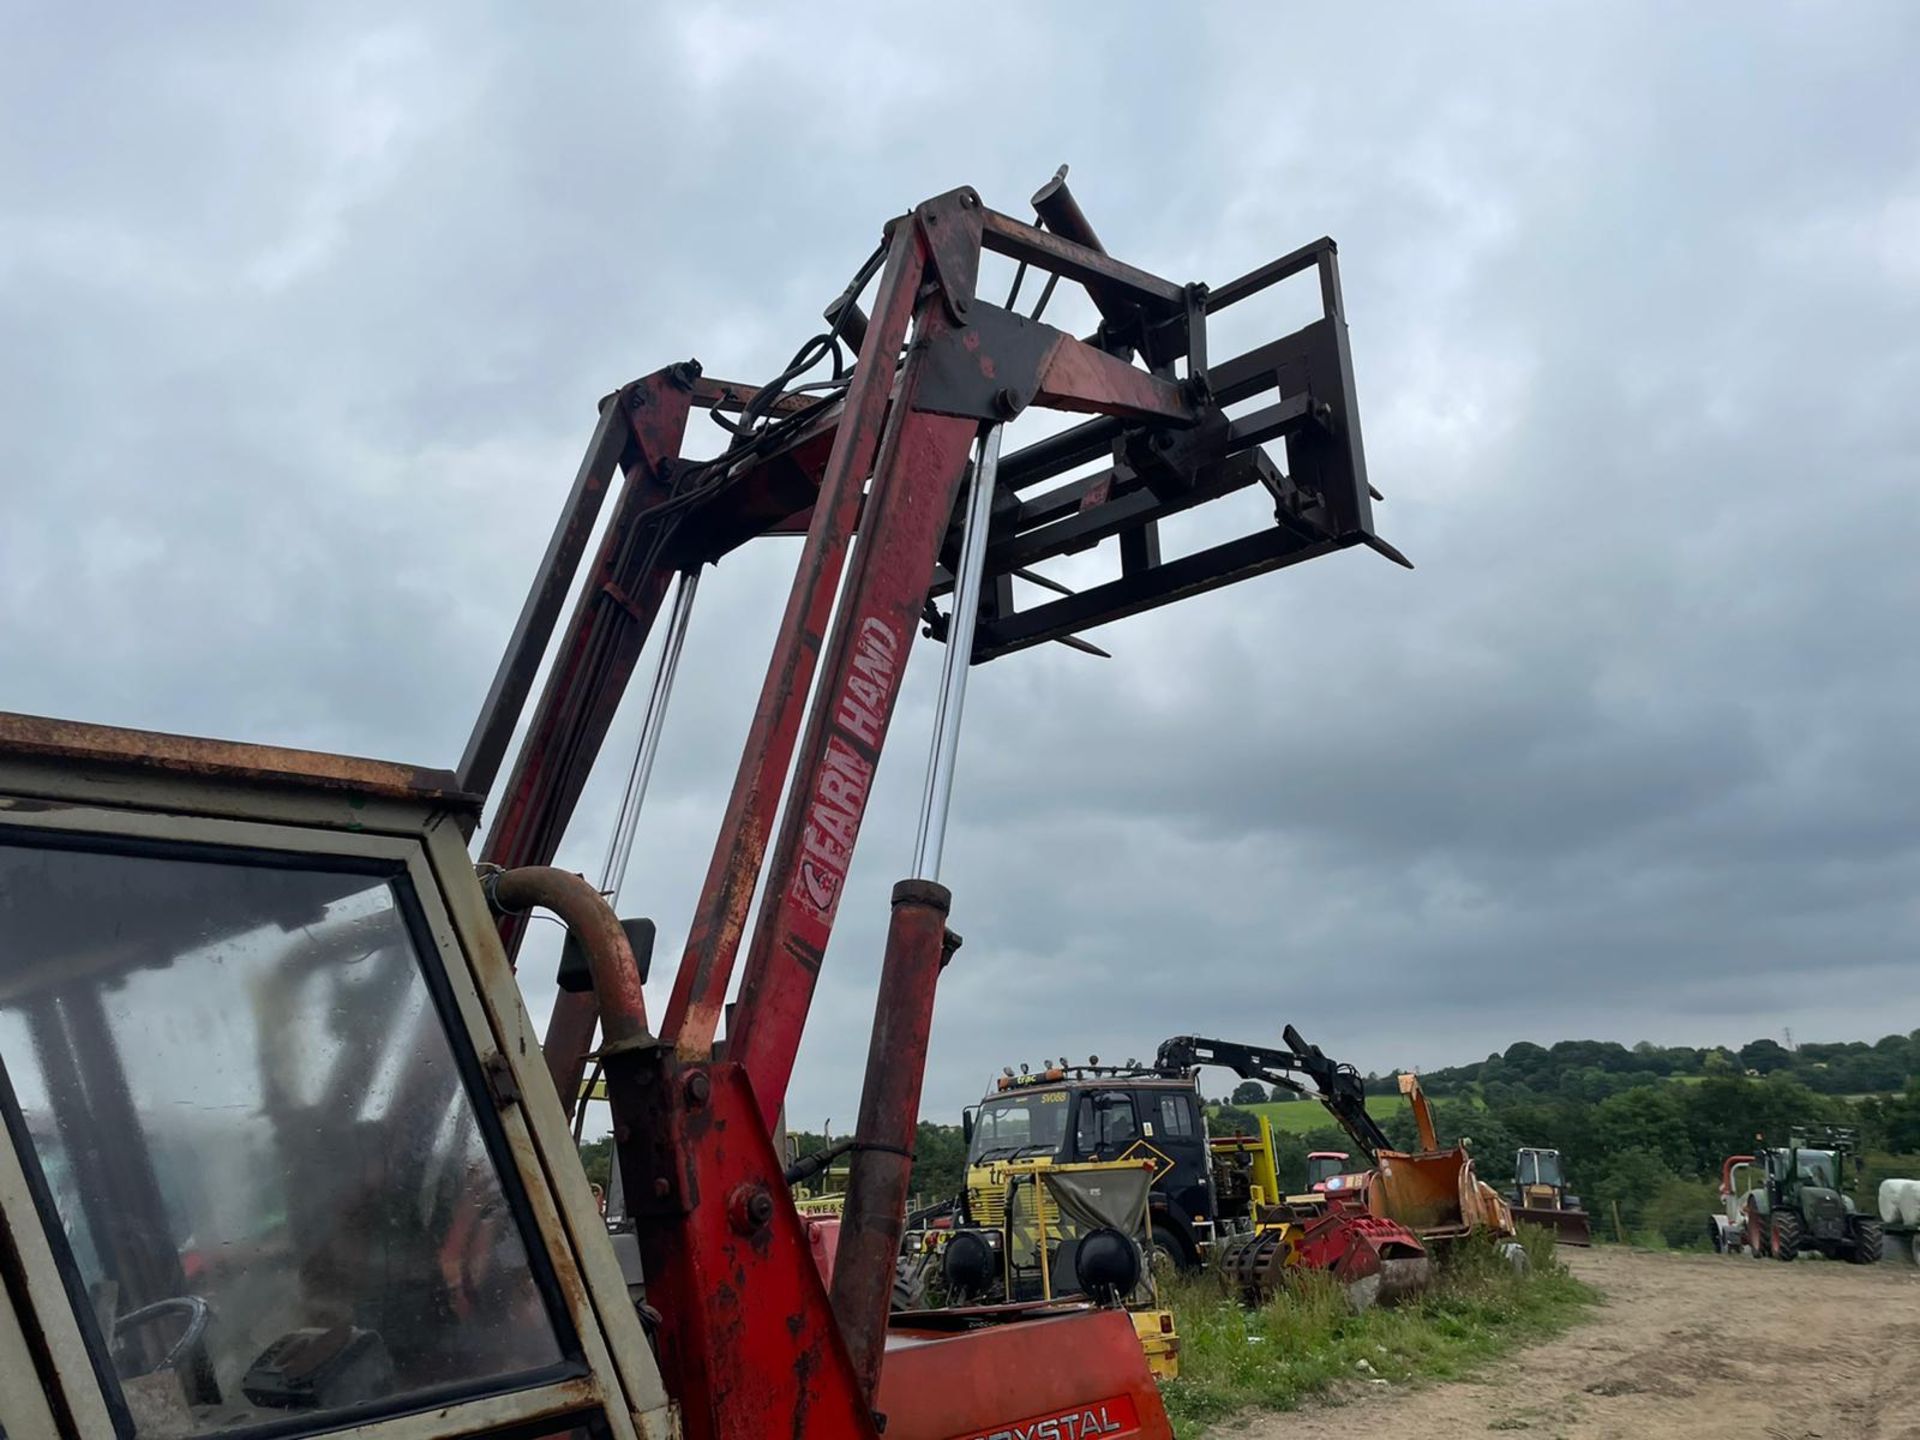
(620, 847)
(937, 798)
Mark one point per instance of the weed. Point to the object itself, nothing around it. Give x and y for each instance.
(1305, 1341)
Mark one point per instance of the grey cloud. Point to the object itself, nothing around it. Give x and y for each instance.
(305, 319)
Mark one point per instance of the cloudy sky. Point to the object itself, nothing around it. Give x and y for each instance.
(303, 320)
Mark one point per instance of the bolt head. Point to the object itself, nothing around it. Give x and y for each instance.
(699, 1087)
(749, 1208)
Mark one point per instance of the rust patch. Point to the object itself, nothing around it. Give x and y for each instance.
(112, 745)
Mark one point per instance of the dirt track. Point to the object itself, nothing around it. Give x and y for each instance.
(1691, 1346)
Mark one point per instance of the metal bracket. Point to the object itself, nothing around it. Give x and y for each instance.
(987, 371)
(651, 1091)
(950, 225)
(502, 1085)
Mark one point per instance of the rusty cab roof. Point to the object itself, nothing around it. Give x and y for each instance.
(112, 747)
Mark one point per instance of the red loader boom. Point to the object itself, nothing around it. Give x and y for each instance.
(895, 472)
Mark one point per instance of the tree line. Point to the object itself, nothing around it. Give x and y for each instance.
(1647, 1128)
(1644, 1127)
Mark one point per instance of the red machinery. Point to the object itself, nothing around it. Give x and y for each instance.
(751, 1343)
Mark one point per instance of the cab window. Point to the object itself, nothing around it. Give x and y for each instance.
(1177, 1120)
(1104, 1122)
(1030, 1125)
(255, 1142)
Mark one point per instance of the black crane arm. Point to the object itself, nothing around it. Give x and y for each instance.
(1337, 1086)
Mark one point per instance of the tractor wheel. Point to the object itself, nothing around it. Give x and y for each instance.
(1169, 1255)
(1756, 1235)
(910, 1279)
(1787, 1232)
(1715, 1237)
(1867, 1241)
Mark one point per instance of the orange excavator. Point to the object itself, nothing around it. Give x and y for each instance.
(1435, 1189)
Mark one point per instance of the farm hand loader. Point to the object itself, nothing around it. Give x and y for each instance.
(281, 1153)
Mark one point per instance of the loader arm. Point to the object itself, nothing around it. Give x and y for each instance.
(1337, 1086)
(1422, 1111)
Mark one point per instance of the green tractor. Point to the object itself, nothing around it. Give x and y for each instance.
(1802, 1205)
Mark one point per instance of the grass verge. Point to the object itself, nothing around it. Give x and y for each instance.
(1304, 1342)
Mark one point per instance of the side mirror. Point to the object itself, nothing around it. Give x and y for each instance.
(966, 1123)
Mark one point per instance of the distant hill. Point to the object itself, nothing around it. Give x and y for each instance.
(1595, 1069)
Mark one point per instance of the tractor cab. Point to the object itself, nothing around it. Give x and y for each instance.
(1539, 1168)
(1818, 1168)
(277, 1152)
(1325, 1166)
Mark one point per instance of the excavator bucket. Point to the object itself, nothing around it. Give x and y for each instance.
(1540, 1196)
(1436, 1194)
(1422, 1192)
(1570, 1227)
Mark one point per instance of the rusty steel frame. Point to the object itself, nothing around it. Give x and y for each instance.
(873, 481)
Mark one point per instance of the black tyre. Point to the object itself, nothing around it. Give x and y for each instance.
(1787, 1234)
(910, 1279)
(1170, 1252)
(1714, 1237)
(1868, 1240)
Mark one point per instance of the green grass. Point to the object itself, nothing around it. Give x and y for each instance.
(1298, 1117)
(1304, 1342)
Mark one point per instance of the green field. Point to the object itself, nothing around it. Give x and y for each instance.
(1303, 1115)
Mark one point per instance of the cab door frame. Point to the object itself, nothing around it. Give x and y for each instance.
(620, 1389)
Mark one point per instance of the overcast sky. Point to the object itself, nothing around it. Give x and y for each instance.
(303, 321)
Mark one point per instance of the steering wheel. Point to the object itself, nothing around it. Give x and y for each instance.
(197, 1311)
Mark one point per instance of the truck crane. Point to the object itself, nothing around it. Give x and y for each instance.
(1334, 1084)
(1342, 1228)
(1433, 1190)
(281, 1151)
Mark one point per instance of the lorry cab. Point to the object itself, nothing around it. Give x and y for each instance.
(1324, 1166)
(1069, 1116)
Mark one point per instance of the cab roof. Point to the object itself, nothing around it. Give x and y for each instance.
(112, 746)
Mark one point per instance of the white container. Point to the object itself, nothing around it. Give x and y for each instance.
(1900, 1202)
